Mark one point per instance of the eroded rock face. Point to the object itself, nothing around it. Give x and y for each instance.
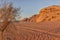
(50, 13)
(30, 19)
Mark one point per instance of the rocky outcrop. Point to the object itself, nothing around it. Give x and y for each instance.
(30, 19)
(50, 13)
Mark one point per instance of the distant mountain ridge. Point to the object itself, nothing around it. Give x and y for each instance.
(50, 13)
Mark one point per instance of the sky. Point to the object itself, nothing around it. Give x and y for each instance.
(31, 7)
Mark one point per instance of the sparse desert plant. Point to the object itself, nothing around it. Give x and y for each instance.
(7, 14)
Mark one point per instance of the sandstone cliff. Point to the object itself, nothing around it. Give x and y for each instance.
(30, 19)
(50, 13)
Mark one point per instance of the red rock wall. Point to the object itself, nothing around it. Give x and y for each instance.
(50, 13)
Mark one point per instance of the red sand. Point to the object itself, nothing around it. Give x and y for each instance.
(32, 31)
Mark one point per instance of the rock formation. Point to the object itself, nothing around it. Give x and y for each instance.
(50, 13)
(30, 19)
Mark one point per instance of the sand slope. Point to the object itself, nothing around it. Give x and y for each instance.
(32, 31)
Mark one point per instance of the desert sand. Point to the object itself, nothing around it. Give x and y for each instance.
(42, 26)
(32, 31)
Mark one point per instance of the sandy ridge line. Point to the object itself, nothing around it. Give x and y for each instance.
(42, 31)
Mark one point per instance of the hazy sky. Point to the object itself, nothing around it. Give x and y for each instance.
(30, 7)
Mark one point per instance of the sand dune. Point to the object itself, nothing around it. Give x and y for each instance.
(32, 31)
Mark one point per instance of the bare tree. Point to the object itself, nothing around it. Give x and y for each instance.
(7, 14)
